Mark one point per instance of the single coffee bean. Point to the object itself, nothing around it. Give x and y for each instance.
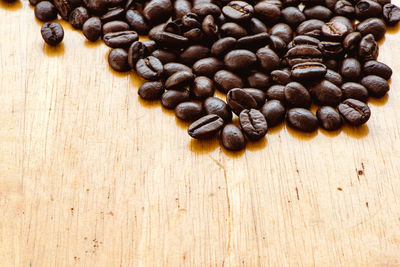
(258, 80)
(302, 119)
(351, 41)
(206, 127)
(179, 79)
(331, 49)
(256, 26)
(150, 45)
(232, 138)
(157, 11)
(121, 39)
(277, 3)
(238, 11)
(222, 46)
(151, 90)
(334, 30)
(92, 29)
(164, 56)
(374, 26)
(258, 95)
(232, 29)
(115, 26)
(278, 45)
(305, 40)
(368, 48)
(171, 98)
(171, 68)
(118, 60)
(354, 111)
(97, 7)
(281, 76)
(311, 27)
(226, 80)
(296, 95)
(32, 2)
(63, 7)
(253, 124)
(292, 16)
(345, 21)
(189, 111)
(135, 52)
(52, 33)
(215, 105)
(326, 93)
(318, 12)
(193, 53)
(350, 69)
(149, 68)
(391, 14)
(210, 27)
(182, 8)
(276, 92)
(240, 60)
(202, 87)
(373, 67)
(170, 40)
(331, 64)
(329, 118)
(268, 59)
(308, 70)
(238, 100)
(255, 41)
(344, 8)
(137, 21)
(367, 9)
(283, 31)
(376, 86)
(204, 9)
(267, 12)
(113, 14)
(303, 54)
(274, 112)
(191, 21)
(45, 11)
(78, 17)
(207, 66)
(333, 77)
(330, 4)
(354, 90)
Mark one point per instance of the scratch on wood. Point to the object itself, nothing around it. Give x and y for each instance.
(297, 194)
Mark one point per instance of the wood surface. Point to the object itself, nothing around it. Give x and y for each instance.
(90, 175)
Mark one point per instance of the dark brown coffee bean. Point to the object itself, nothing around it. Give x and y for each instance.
(214, 105)
(345, 21)
(354, 90)
(149, 68)
(207, 66)
(376, 86)
(318, 12)
(255, 26)
(292, 16)
(374, 26)
(253, 124)
(231, 29)
(391, 14)
(326, 93)
(255, 41)
(267, 12)
(202, 87)
(157, 11)
(350, 69)
(232, 138)
(308, 70)
(52, 33)
(182, 8)
(222, 46)
(97, 7)
(64, 7)
(368, 48)
(170, 40)
(331, 64)
(274, 112)
(137, 21)
(171, 98)
(189, 111)
(383, 2)
(311, 28)
(206, 127)
(268, 59)
(45, 11)
(194, 53)
(277, 3)
(329, 118)
(333, 77)
(135, 52)
(367, 9)
(296, 95)
(303, 54)
(171, 68)
(331, 49)
(150, 45)
(344, 8)
(205, 8)
(240, 60)
(276, 92)
(179, 79)
(78, 17)
(113, 14)
(238, 11)
(121, 39)
(281, 76)
(283, 31)
(302, 119)
(354, 112)
(191, 21)
(258, 95)
(92, 29)
(164, 56)
(210, 27)
(115, 26)
(351, 41)
(277, 44)
(151, 90)
(305, 40)
(330, 4)
(118, 60)
(373, 67)
(334, 30)
(258, 80)
(238, 100)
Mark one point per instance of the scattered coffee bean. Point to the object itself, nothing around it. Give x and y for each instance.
(137, 21)
(179, 79)
(296, 95)
(350, 69)
(135, 52)
(171, 98)
(149, 68)
(164, 56)
(45, 11)
(354, 90)
(391, 14)
(276, 92)
(207, 66)
(188, 111)
(373, 67)
(368, 48)
(253, 124)
(232, 137)
(171, 68)
(151, 90)
(334, 30)
(258, 95)
(240, 60)
(52, 33)
(350, 42)
(226, 80)
(115, 26)
(78, 17)
(118, 60)
(92, 29)
(281, 76)
(206, 127)
(374, 26)
(238, 100)
(274, 112)
(302, 119)
(334, 77)
(258, 80)
(318, 12)
(214, 105)
(268, 59)
(376, 86)
(238, 11)
(122, 39)
(367, 9)
(354, 111)
(329, 118)
(157, 11)
(326, 93)
(308, 70)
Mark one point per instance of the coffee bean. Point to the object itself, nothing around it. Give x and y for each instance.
(329, 118)
(171, 98)
(205, 9)
(391, 14)
(331, 64)
(281, 76)
(283, 31)
(296, 95)
(350, 69)
(253, 124)
(206, 127)
(368, 48)
(150, 45)
(277, 44)
(374, 26)
(164, 56)
(302, 119)
(268, 59)
(326, 93)
(276, 92)
(231, 29)
(354, 90)
(367, 9)
(113, 14)
(149, 68)
(351, 41)
(170, 40)
(210, 27)
(52, 33)
(121, 39)
(191, 21)
(151, 90)
(194, 53)
(373, 67)
(203, 87)
(232, 137)
(135, 52)
(255, 26)
(331, 49)
(354, 112)
(118, 60)
(171, 68)
(189, 111)
(92, 29)
(137, 21)
(238, 100)
(179, 79)
(333, 77)
(258, 80)
(226, 80)
(330, 4)
(345, 21)
(258, 95)
(344, 8)
(267, 12)
(97, 7)
(311, 27)
(157, 11)
(45, 11)
(115, 26)
(195, 35)
(222, 46)
(214, 105)
(207, 66)
(306, 40)
(274, 112)
(182, 8)
(292, 16)
(303, 54)
(238, 11)
(376, 86)
(383, 2)
(308, 70)
(255, 41)
(78, 17)
(64, 8)
(240, 60)
(334, 30)
(318, 12)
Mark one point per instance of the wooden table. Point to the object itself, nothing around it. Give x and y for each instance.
(90, 175)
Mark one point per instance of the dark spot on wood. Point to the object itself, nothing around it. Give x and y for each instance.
(297, 170)
(288, 201)
(360, 172)
(362, 166)
(366, 204)
(339, 189)
(297, 194)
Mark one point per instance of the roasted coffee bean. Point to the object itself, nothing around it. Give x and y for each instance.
(92, 29)
(318, 12)
(193, 53)
(137, 21)
(238, 100)
(330, 4)
(240, 60)
(149, 68)
(97, 7)
(302, 119)
(207, 66)
(308, 70)
(368, 48)
(331, 49)
(115, 26)
(52, 33)
(202, 87)
(171, 98)
(209, 27)
(232, 29)
(367, 9)
(268, 59)
(258, 95)
(274, 112)
(354, 90)
(290, 2)
(135, 52)
(189, 111)
(45, 11)
(334, 30)
(296, 95)
(232, 138)
(170, 40)
(150, 45)
(350, 69)
(78, 17)
(305, 40)
(267, 12)
(113, 14)
(354, 112)
(345, 21)
(373, 67)
(164, 56)
(311, 28)
(376, 86)
(254, 41)
(383, 2)
(344, 8)
(292, 16)
(255, 26)
(182, 8)
(331, 63)
(118, 60)
(391, 14)
(206, 126)
(277, 44)
(329, 118)
(333, 77)
(214, 105)
(157, 11)
(179, 79)
(351, 41)
(32, 2)
(151, 90)
(238, 11)
(277, 3)
(326, 93)
(121, 39)
(283, 31)
(374, 26)
(281, 76)
(276, 92)
(205, 8)
(258, 80)
(303, 54)
(222, 46)
(191, 21)
(171, 68)
(63, 7)
(253, 124)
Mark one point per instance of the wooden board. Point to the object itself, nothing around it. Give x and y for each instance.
(90, 175)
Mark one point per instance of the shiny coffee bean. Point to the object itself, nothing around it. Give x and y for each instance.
(232, 138)
(268, 59)
(344, 8)
(345, 21)
(240, 60)
(277, 44)
(182, 8)
(115, 26)
(149, 68)
(255, 26)
(368, 48)
(318, 12)
(238, 100)
(171, 98)
(222, 46)
(137, 21)
(350, 69)
(391, 14)
(355, 91)
(296, 95)
(354, 112)
(238, 11)
(373, 67)
(191, 21)
(376, 86)
(226, 80)
(312, 27)
(52, 33)
(303, 54)
(164, 56)
(118, 60)
(292, 16)
(276, 92)
(151, 90)
(78, 17)
(267, 12)
(255, 41)
(232, 29)
(204, 9)
(189, 111)
(367, 9)
(215, 105)
(92, 29)
(331, 49)
(258, 95)
(45, 11)
(206, 126)
(121, 39)
(374, 26)
(202, 87)
(326, 93)
(135, 52)
(207, 66)
(253, 124)
(210, 27)
(305, 40)
(171, 68)
(157, 11)
(281, 76)
(334, 30)
(113, 14)
(97, 7)
(308, 70)
(179, 79)
(258, 80)
(333, 77)
(329, 118)
(283, 31)
(170, 40)
(351, 41)
(274, 112)
(302, 119)
(150, 45)
(193, 53)
(331, 64)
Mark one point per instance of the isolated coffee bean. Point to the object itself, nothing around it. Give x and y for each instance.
(118, 60)
(137, 21)
(354, 112)
(171, 98)
(164, 56)
(368, 48)
(333, 77)
(355, 91)
(92, 29)
(115, 26)
(374, 26)
(303, 54)
(151, 90)
(351, 41)
(232, 137)
(222, 46)
(215, 105)
(238, 11)
(274, 112)
(255, 41)
(367, 9)
(391, 14)
(238, 100)
(258, 95)
(52, 33)
(281, 76)
(268, 59)
(312, 27)
(207, 66)
(373, 67)
(308, 70)
(258, 80)
(302, 119)
(232, 29)
(240, 60)
(149, 68)
(179, 79)
(204, 9)
(318, 12)
(78, 17)
(45, 11)
(329, 118)
(326, 93)
(296, 95)
(226, 80)
(157, 11)
(350, 69)
(202, 87)
(121, 39)
(171, 68)
(376, 86)
(253, 124)
(206, 126)
(135, 52)
(189, 111)
(292, 16)
(276, 92)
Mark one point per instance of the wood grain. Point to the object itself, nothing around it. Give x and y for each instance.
(90, 175)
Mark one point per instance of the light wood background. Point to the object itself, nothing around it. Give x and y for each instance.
(90, 175)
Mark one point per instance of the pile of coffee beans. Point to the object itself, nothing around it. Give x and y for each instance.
(273, 59)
